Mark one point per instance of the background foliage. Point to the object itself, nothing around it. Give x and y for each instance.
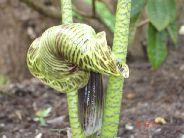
(24, 104)
(31, 18)
(161, 21)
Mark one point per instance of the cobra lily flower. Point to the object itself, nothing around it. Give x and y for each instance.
(64, 55)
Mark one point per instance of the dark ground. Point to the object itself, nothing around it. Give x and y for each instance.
(148, 94)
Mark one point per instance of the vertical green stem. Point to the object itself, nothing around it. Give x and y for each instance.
(115, 85)
(66, 6)
(72, 97)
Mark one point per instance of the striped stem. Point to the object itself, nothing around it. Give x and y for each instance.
(66, 11)
(114, 91)
(72, 97)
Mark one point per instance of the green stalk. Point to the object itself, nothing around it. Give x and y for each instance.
(72, 97)
(115, 85)
(66, 6)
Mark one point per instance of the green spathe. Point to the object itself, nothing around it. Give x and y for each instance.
(64, 55)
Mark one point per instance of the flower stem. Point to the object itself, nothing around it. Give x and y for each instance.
(66, 11)
(114, 91)
(72, 97)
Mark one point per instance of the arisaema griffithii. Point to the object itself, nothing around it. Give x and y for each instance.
(63, 57)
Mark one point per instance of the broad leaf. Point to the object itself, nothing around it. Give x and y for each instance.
(172, 29)
(161, 12)
(157, 49)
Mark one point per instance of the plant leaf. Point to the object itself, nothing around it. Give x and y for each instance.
(161, 12)
(44, 112)
(172, 30)
(157, 49)
(78, 16)
(42, 121)
(137, 6)
(107, 17)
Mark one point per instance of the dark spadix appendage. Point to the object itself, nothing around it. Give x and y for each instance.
(91, 104)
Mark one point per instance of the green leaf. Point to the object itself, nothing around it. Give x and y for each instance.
(78, 16)
(157, 49)
(3, 80)
(133, 28)
(42, 121)
(161, 12)
(172, 29)
(137, 7)
(106, 16)
(44, 112)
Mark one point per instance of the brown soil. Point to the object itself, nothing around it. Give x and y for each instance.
(147, 95)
